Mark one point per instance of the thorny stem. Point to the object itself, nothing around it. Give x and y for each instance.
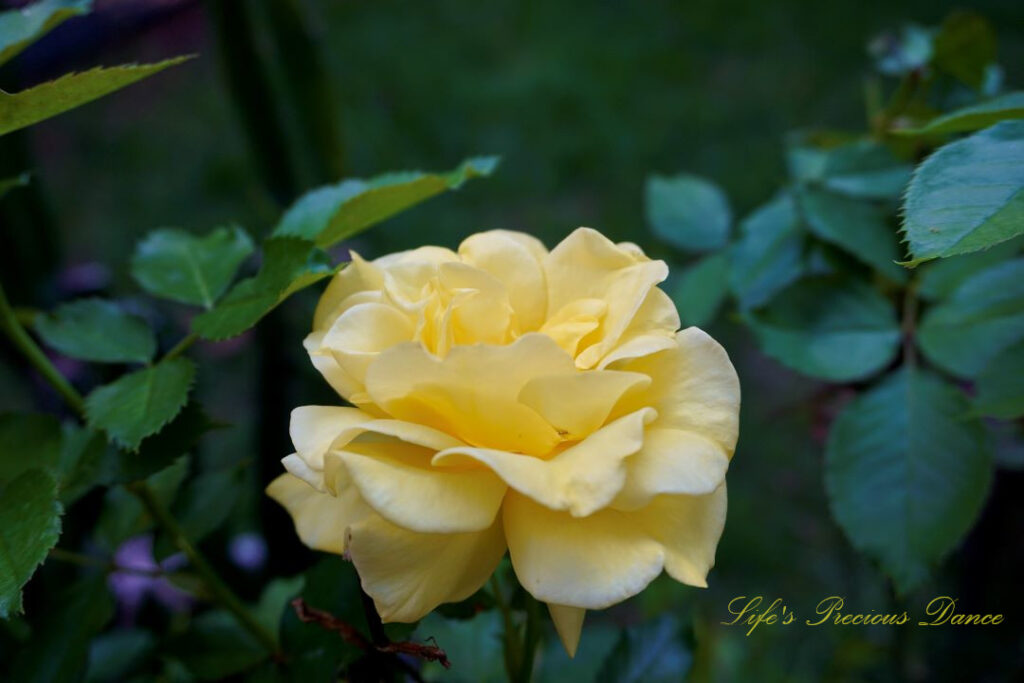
(220, 590)
(35, 356)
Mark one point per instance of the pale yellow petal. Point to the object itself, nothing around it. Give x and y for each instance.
(314, 428)
(357, 276)
(652, 329)
(695, 387)
(408, 574)
(409, 432)
(568, 624)
(581, 479)
(574, 321)
(517, 264)
(480, 311)
(597, 561)
(578, 403)
(358, 335)
(409, 492)
(471, 393)
(320, 518)
(325, 363)
(672, 461)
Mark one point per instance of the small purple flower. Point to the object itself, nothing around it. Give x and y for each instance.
(248, 550)
(138, 578)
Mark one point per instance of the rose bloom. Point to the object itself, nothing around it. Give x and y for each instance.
(511, 398)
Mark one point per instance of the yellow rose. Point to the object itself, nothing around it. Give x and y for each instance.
(511, 398)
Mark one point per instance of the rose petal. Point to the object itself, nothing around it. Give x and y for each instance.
(515, 260)
(320, 518)
(568, 624)
(357, 276)
(314, 428)
(578, 403)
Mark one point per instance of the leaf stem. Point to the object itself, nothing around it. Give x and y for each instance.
(35, 356)
(182, 346)
(218, 589)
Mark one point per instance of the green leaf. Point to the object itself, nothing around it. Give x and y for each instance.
(938, 279)
(906, 474)
(967, 196)
(473, 646)
(28, 441)
(203, 506)
(216, 646)
(336, 212)
(769, 253)
(123, 516)
(999, 386)
(276, 599)
(965, 46)
(31, 106)
(21, 27)
(838, 330)
(162, 449)
(97, 330)
(687, 212)
(702, 288)
(59, 648)
(8, 184)
(860, 228)
(116, 655)
(597, 640)
(983, 316)
(140, 403)
(649, 653)
(83, 459)
(29, 528)
(860, 168)
(177, 265)
(289, 264)
(1001, 108)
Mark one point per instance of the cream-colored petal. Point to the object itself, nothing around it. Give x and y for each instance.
(472, 393)
(695, 388)
(359, 334)
(568, 624)
(357, 276)
(597, 561)
(314, 428)
(480, 311)
(408, 574)
(408, 432)
(574, 321)
(652, 329)
(295, 465)
(578, 403)
(581, 479)
(517, 264)
(672, 461)
(325, 363)
(320, 518)
(422, 498)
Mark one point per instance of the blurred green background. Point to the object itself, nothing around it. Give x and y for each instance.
(582, 100)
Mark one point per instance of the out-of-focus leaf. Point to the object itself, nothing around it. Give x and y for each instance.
(177, 265)
(59, 650)
(687, 212)
(275, 600)
(859, 168)
(140, 403)
(29, 528)
(768, 255)
(204, 504)
(965, 46)
(116, 655)
(21, 109)
(596, 642)
(967, 196)
(97, 330)
(983, 316)
(1001, 108)
(835, 329)
(699, 293)
(941, 277)
(473, 646)
(896, 54)
(22, 26)
(856, 226)
(906, 474)
(83, 461)
(123, 516)
(28, 441)
(162, 449)
(653, 652)
(8, 184)
(216, 647)
(336, 212)
(289, 264)
(1001, 385)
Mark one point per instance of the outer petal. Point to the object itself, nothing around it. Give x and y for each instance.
(597, 561)
(314, 428)
(320, 518)
(471, 393)
(359, 334)
(695, 388)
(672, 461)
(357, 276)
(511, 260)
(569, 625)
(581, 479)
(408, 492)
(408, 574)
